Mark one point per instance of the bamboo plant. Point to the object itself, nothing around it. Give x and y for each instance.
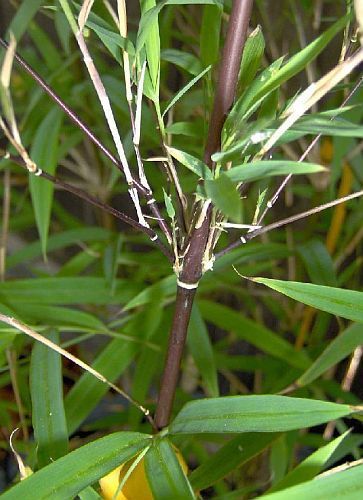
(201, 172)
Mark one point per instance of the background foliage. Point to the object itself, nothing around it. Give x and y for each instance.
(105, 293)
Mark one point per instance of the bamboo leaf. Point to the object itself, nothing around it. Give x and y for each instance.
(318, 263)
(224, 195)
(58, 291)
(46, 387)
(345, 303)
(201, 348)
(343, 345)
(254, 414)
(311, 466)
(184, 60)
(69, 475)
(24, 14)
(251, 59)
(257, 335)
(185, 89)
(88, 391)
(299, 61)
(192, 163)
(342, 484)
(210, 34)
(235, 453)
(269, 168)
(44, 153)
(165, 475)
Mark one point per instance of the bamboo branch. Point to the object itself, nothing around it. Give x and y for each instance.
(192, 268)
(65, 186)
(88, 132)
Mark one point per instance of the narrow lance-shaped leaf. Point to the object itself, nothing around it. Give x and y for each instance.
(224, 195)
(342, 484)
(46, 387)
(235, 453)
(88, 391)
(192, 163)
(345, 303)
(251, 58)
(254, 414)
(69, 475)
(201, 348)
(343, 345)
(185, 89)
(311, 466)
(165, 473)
(262, 169)
(44, 153)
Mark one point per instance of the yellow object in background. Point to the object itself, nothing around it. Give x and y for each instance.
(137, 486)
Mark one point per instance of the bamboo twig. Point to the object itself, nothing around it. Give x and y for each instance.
(84, 195)
(18, 325)
(88, 132)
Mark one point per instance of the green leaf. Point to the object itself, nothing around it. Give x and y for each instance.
(254, 414)
(46, 388)
(343, 345)
(24, 14)
(342, 484)
(210, 34)
(300, 60)
(257, 335)
(164, 473)
(78, 290)
(168, 205)
(88, 390)
(235, 453)
(152, 39)
(268, 168)
(311, 466)
(182, 91)
(89, 494)
(224, 195)
(184, 60)
(192, 163)
(317, 124)
(202, 351)
(60, 316)
(71, 474)
(57, 241)
(44, 153)
(164, 288)
(318, 263)
(251, 59)
(345, 303)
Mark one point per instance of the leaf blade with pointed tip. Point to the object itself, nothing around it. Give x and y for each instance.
(192, 163)
(340, 302)
(73, 473)
(269, 168)
(44, 153)
(48, 416)
(223, 193)
(267, 413)
(165, 475)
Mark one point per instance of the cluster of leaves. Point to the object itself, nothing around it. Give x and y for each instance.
(108, 294)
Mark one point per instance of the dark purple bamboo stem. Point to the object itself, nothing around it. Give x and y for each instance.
(192, 265)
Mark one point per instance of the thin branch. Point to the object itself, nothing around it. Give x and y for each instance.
(92, 137)
(97, 203)
(18, 325)
(283, 222)
(302, 215)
